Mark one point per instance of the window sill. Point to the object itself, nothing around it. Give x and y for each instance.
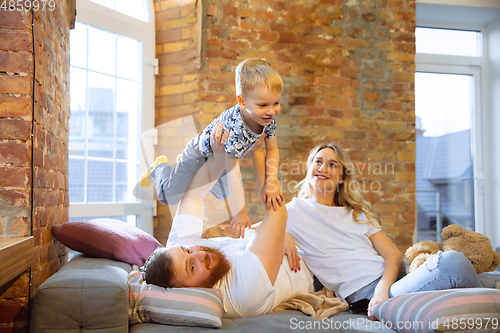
(16, 256)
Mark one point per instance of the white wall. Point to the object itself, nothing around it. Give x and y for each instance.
(492, 146)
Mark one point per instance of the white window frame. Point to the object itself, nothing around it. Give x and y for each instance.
(473, 66)
(111, 20)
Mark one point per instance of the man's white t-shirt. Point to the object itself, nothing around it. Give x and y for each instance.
(336, 248)
(246, 289)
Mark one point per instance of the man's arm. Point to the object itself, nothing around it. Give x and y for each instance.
(259, 163)
(272, 159)
(234, 183)
(236, 193)
(272, 194)
(268, 242)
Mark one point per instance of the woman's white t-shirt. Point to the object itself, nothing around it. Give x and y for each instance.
(336, 248)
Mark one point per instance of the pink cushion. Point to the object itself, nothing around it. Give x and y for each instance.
(173, 306)
(463, 310)
(107, 238)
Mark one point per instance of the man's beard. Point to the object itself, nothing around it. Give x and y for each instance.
(216, 273)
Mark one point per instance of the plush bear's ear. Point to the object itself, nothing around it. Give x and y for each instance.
(453, 230)
(419, 260)
(425, 246)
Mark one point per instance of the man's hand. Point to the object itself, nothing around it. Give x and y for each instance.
(291, 253)
(272, 194)
(239, 223)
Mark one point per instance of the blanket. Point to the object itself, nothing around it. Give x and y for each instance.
(320, 304)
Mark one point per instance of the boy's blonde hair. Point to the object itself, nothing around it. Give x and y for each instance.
(346, 194)
(254, 71)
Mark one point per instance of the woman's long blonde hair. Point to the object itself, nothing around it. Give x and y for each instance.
(346, 194)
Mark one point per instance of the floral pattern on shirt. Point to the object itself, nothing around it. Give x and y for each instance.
(241, 138)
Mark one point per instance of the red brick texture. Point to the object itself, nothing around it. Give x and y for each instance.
(348, 68)
(34, 114)
(178, 32)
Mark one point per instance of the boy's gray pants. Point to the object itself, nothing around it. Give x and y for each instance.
(171, 183)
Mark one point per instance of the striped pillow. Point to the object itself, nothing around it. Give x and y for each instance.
(173, 306)
(455, 310)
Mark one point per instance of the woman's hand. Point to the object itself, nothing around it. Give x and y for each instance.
(291, 253)
(217, 140)
(378, 297)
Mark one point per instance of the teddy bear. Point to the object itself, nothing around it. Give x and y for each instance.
(476, 247)
(417, 254)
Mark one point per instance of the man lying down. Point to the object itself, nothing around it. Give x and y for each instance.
(251, 274)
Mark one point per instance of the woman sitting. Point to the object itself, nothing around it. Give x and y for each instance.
(344, 245)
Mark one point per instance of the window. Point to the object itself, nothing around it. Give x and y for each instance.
(448, 164)
(449, 42)
(133, 8)
(111, 106)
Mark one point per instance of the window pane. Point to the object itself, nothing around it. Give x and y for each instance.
(450, 42)
(106, 3)
(443, 153)
(101, 115)
(128, 62)
(105, 122)
(134, 8)
(100, 181)
(442, 103)
(102, 51)
(78, 40)
(78, 91)
(126, 173)
(127, 119)
(130, 219)
(75, 178)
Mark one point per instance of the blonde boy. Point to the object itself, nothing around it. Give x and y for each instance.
(247, 126)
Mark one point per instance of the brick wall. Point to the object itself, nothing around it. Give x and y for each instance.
(34, 113)
(348, 68)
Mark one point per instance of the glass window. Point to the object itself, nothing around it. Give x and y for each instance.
(130, 219)
(448, 42)
(134, 8)
(104, 135)
(112, 106)
(443, 168)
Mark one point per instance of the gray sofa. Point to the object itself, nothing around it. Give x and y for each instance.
(91, 295)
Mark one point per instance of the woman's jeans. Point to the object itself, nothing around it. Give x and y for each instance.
(444, 270)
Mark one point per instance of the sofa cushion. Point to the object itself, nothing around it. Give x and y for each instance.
(86, 294)
(287, 321)
(472, 310)
(107, 238)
